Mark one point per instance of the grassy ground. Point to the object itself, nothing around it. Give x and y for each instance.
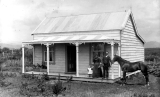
(86, 89)
(13, 83)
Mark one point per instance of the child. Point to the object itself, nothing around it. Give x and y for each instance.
(90, 71)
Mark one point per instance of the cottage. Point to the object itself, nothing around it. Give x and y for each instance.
(67, 44)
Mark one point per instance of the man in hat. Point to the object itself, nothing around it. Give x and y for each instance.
(106, 65)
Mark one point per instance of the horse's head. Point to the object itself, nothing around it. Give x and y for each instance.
(115, 58)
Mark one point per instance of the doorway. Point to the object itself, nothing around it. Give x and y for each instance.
(71, 59)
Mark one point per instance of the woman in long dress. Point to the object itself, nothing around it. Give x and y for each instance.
(96, 70)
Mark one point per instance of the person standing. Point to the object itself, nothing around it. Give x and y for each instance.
(96, 69)
(106, 65)
(90, 71)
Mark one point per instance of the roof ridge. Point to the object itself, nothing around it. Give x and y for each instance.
(85, 14)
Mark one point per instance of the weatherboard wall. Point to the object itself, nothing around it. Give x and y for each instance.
(84, 59)
(114, 67)
(132, 49)
(37, 54)
(60, 59)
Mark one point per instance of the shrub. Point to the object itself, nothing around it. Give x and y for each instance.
(154, 69)
(2, 60)
(45, 77)
(41, 84)
(25, 90)
(142, 95)
(57, 88)
(1, 76)
(69, 78)
(2, 82)
(37, 86)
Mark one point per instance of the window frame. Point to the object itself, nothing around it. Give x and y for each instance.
(45, 56)
(51, 51)
(92, 51)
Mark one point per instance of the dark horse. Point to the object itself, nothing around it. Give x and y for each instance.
(127, 66)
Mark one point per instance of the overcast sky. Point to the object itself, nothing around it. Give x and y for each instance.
(18, 18)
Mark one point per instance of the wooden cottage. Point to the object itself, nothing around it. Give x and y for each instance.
(67, 44)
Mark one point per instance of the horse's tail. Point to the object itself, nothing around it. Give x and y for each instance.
(147, 67)
(144, 67)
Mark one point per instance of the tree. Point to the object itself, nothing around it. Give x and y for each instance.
(6, 50)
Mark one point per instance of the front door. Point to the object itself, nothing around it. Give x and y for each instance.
(71, 58)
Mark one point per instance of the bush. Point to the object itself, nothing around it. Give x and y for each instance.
(57, 87)
(142, 95)
(154, 69)
(45, 77)
(23, 88)
(36, 85)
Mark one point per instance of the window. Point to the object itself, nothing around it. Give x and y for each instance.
(97, 48)
(51, 54)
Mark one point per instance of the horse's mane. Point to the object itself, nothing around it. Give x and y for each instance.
(124, 59)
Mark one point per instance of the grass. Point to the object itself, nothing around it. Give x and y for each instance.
(85, 89)
(134, 88)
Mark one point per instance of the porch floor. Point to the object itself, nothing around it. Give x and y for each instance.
(64, 76)
(74, 77)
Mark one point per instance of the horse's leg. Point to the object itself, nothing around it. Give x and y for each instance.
(147, 78)
(124, 78)
(144, 70)
(146, 75)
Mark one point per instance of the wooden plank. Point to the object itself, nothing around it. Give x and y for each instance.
(129, 36)
(128, 29)
(129, 42)
(128, 32)
(125, 50)
(137, 54)
(129, 26)
(132, 57)
(138, 46)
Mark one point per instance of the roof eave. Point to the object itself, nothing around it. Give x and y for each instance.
(75, 32)
(135, 27)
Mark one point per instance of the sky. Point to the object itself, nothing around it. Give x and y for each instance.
(19, 18)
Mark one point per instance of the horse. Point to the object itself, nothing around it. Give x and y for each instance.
(127, 66)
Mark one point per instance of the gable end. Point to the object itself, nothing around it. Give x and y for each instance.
(135, 28)
(132, 47)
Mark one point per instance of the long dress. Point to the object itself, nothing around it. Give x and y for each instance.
(96, 70)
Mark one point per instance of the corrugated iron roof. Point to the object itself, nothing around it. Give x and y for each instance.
(90, 22)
